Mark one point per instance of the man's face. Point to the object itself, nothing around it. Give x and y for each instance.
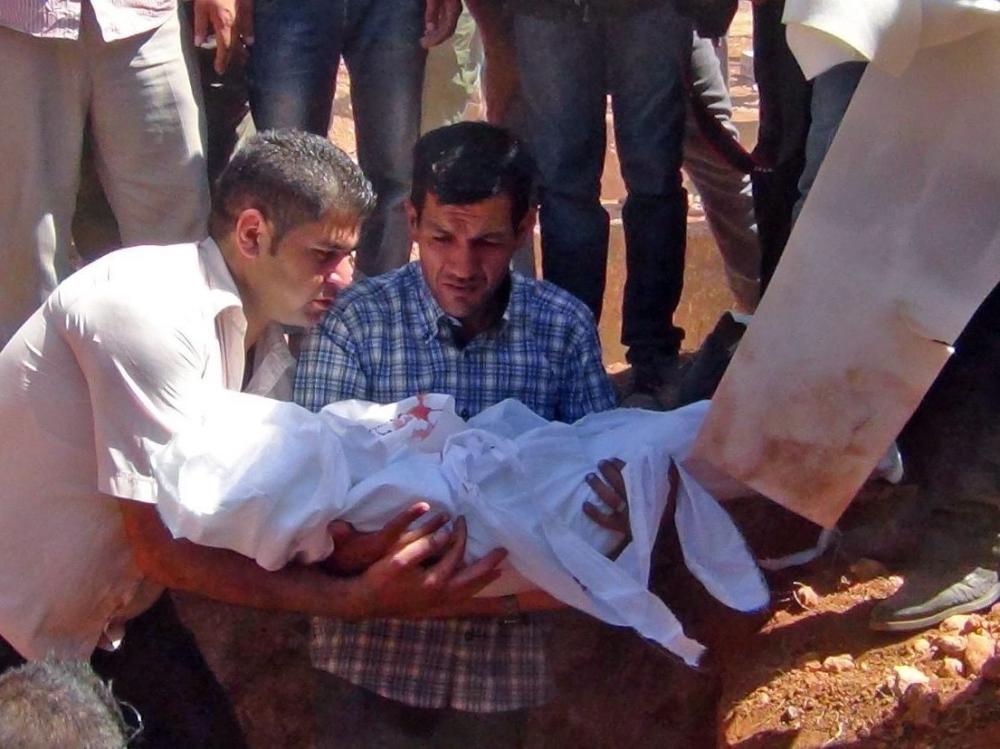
(465, 253)
(298, 280)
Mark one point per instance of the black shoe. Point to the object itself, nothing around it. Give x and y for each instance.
(710, 363)
(644, 390)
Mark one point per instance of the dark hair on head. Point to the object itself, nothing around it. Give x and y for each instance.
(471, 161)
(59, 703)
(291, 177)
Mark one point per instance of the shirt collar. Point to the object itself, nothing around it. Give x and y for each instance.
(224, 292)
(436, 322)
(273, 361)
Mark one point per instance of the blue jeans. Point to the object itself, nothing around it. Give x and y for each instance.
(567, 68)
(832, 92)
(293, 70)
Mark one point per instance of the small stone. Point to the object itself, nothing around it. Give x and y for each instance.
(994, 612)
(953, 645)
(806, 597)
(905, 677)
(951, 668)
(955, 624)
(836, 664)
(791, 714)
(991, 670)
(920, 705)
(764, 699)
(812, 666)
(978, 649)
(921, 646)
(864, 570)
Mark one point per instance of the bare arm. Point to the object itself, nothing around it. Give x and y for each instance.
(397, 583)
(500, 76)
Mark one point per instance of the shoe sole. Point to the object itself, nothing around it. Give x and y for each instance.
(926, 622)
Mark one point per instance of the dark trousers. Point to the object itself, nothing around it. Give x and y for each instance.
(567, 68)
(349, 717)
(781, 142)
(159, 671)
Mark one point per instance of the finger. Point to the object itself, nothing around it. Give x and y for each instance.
(200, 24)
(611, 470)
(223, 27)
(423, 548)
(393, 530)
(477, 575)
(445, 568)
(340, 531)
(606, 494)
(615, 522)
(432, 525)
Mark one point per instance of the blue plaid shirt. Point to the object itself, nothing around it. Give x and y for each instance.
(387, 339)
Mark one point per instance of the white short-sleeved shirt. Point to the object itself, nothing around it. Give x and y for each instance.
(61, 19)
(98, 379)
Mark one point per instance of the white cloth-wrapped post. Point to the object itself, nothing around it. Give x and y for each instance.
(265, 478)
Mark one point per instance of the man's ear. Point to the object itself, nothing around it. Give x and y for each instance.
(254, 233)
(412, 218)
(527, 225)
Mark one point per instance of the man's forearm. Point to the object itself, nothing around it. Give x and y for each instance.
(232, 578)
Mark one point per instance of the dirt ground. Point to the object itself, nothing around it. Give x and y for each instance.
(808, 673)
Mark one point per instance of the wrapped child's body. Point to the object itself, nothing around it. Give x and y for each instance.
(265, 479)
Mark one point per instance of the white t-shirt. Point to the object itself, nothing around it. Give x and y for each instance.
(101, 376)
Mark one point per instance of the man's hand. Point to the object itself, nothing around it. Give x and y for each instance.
(355, 551)
(440, 19)
(220, 16)
(406, 580)
(611, 492)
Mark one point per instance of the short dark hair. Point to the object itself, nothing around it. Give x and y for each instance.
(471, 161)
(58, 703)
(291, 177)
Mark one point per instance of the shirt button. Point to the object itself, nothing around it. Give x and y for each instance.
(465, 413)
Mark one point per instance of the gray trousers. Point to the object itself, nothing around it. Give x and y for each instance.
(726, 193)
(142, 102)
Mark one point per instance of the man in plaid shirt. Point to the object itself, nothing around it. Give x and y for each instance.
(456, 322)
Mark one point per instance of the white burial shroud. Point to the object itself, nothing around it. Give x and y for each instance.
(264, 478)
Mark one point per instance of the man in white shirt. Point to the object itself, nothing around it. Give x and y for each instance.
(124, 67)
(118, 358)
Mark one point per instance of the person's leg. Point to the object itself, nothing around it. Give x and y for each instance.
(832, 91)
(784, 122)
(293, 63)
(153, 78)
(951, 449)
(227, 104)
(451, 79)
(563, 90)
(159, 670)
(44, 86)
(648, 53)
(383, 54)
(726, 192)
